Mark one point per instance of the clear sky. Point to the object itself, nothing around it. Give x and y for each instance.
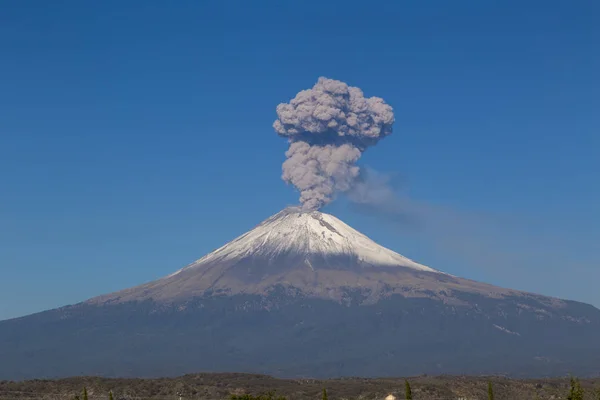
(137, 136)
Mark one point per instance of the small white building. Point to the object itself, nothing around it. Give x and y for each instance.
(390, 397)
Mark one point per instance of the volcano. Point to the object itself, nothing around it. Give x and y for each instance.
(305, 295)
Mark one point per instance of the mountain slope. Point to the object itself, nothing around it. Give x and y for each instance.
(312, 253)
(303, 294)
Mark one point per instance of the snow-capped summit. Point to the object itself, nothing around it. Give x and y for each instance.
(294, 234)
(311, 253)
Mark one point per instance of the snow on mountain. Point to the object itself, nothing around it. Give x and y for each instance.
(310, 234)
(309, 253)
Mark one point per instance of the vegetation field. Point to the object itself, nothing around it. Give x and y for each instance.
(247, 386)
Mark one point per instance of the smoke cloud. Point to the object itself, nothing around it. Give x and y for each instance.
(328, 128)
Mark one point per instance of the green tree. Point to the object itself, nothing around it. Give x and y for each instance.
(110, 395)
(407, 390)
(85, 395)
(324, 394)
(490, 391)
(576, 391)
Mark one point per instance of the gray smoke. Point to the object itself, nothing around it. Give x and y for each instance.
(329, 127)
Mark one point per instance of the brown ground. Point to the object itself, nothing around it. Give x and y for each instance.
(221, 386)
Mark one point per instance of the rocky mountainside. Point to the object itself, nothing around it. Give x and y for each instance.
(305, 295)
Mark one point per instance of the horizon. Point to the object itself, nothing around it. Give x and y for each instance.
(137, 138)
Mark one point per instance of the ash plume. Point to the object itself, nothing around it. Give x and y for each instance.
(328, 128)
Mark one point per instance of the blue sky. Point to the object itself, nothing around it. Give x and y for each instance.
(137, 136)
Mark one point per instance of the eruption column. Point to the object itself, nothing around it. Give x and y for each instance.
(329, 127)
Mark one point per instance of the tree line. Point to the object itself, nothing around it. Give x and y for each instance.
(576, 392)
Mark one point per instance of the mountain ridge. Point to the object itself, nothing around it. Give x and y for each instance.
(310, 252)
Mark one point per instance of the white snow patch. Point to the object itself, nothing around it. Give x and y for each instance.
(293, 231)
(503, 329)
